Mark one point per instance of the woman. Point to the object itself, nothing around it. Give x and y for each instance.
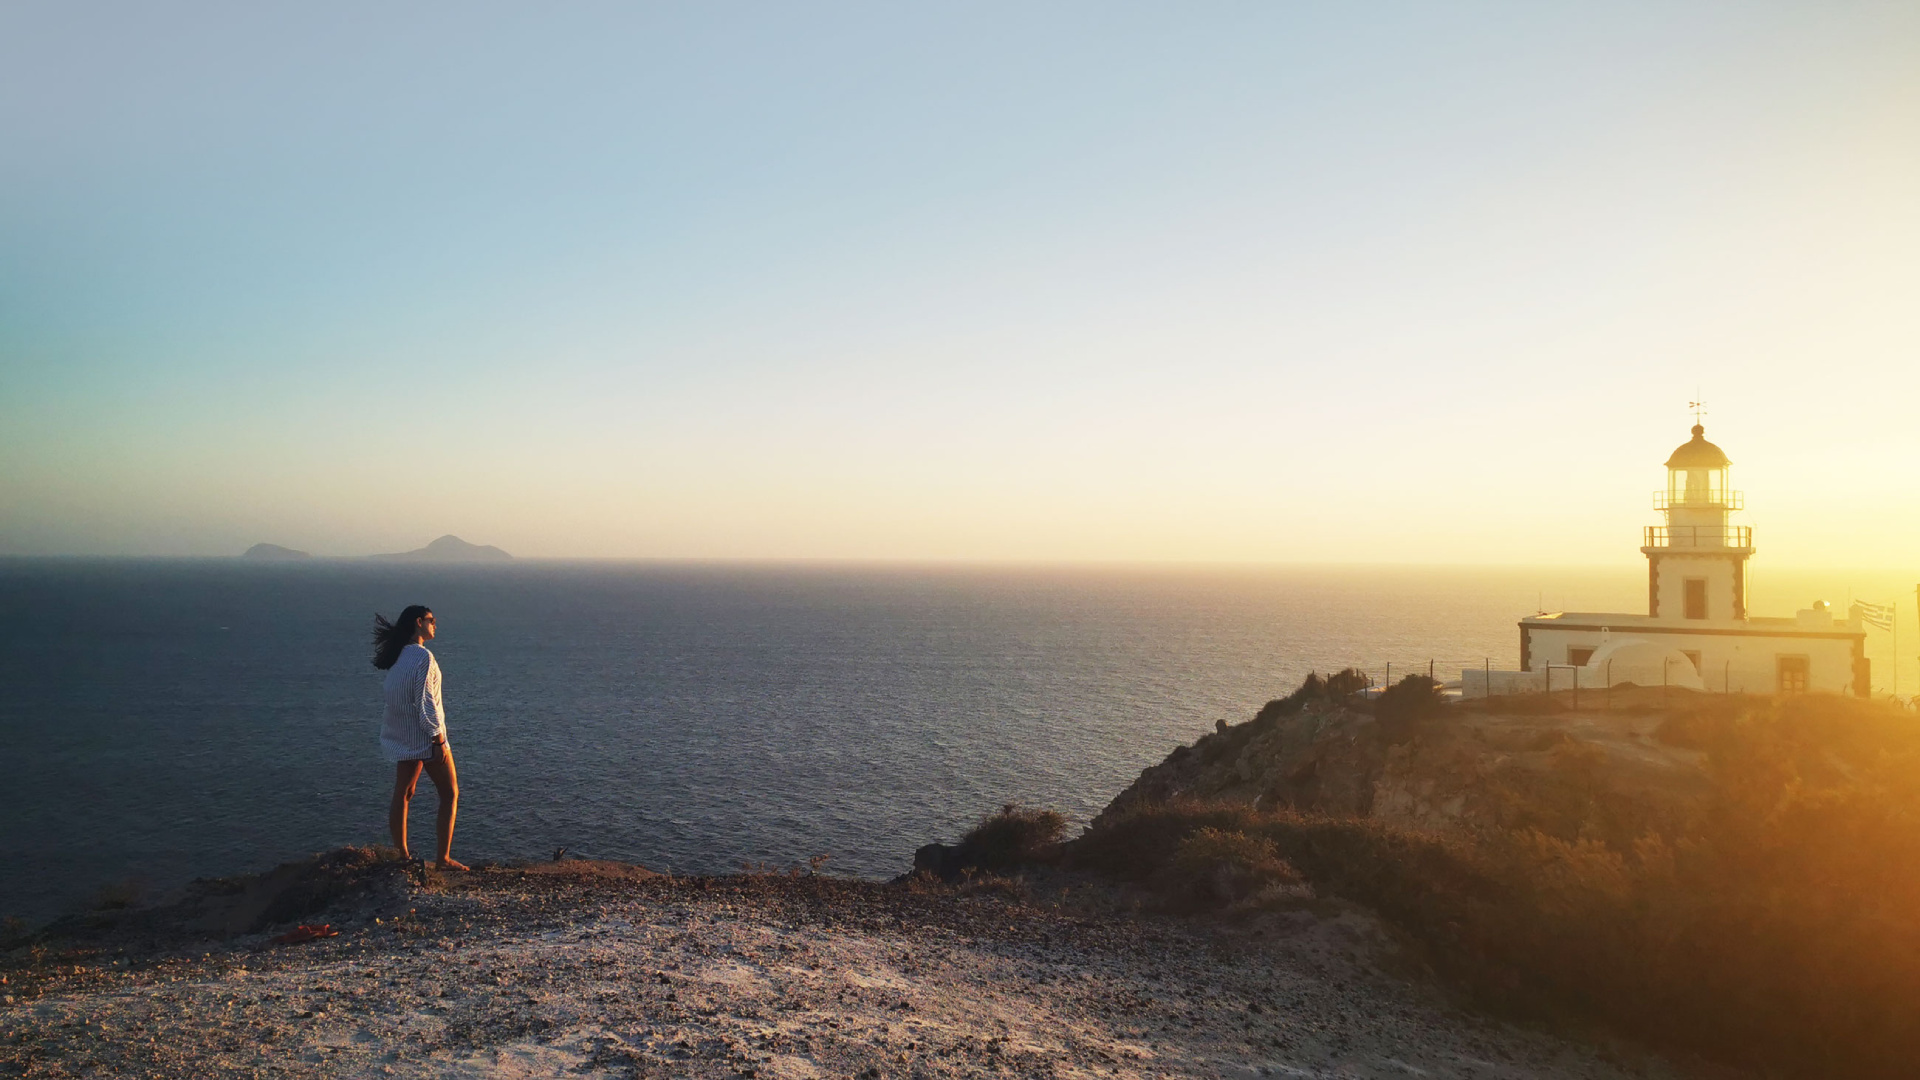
(414, 732)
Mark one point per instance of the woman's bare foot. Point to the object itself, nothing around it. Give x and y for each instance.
(449, 864)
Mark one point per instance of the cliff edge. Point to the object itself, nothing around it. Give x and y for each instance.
(1562, 771)
(603, 969)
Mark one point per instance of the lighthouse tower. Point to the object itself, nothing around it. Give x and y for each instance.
(1697, 562)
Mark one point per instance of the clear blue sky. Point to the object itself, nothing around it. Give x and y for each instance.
(1401, 282)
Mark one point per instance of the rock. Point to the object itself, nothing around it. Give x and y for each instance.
(940, 860)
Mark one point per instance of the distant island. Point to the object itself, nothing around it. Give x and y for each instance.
(451, 548)
(274, 551)
(448, 548)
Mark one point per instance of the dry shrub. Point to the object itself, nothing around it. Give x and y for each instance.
(989, 884)
(1134, 844)
(1216, 868)
(1347, 682)
(1403, 707)
(970, 882)
(1016, 836)
(1776, 928)
(925, 883)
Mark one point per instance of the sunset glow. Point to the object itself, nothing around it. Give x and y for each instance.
(1241, 283)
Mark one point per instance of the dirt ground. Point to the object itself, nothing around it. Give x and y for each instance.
(597, 970)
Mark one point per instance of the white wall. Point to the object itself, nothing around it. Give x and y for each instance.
(1674, 572)
(1474, 682)
(1737, 662)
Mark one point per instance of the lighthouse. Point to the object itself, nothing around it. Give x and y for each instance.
(1697, 633)
(1697, 561)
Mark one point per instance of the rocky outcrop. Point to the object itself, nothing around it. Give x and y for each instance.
(943, 861)
(1571, 775)
(1325, 757)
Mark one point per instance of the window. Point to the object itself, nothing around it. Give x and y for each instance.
(1696, 598)
(1793, 674)
(1578, 657)
(1693, 656)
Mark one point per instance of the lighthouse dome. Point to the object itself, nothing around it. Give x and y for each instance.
(1698, 453)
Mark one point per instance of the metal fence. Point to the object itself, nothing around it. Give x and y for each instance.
(1380, 674)
(1571, 686)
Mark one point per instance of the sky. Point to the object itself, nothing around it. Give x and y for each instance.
(1213, 282)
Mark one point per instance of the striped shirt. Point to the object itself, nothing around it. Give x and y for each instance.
(414, 710)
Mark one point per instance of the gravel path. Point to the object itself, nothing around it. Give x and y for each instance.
(578, 969)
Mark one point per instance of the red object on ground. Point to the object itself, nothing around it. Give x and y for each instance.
(306, 933)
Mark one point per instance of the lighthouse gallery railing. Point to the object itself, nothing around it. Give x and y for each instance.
(1698, 536)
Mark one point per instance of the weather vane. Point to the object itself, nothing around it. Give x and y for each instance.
(1699, 408)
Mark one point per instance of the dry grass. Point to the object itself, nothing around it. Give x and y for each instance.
(1016, 836)
(1776, 926)
(1217, 868)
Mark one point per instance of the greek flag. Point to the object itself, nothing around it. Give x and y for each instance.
(1880, 615)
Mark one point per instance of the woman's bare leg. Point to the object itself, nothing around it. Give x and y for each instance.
(406, 775)
(446, 783)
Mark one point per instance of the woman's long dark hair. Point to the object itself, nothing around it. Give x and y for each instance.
(390, 637)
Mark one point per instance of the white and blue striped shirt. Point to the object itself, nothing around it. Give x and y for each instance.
(415, 713)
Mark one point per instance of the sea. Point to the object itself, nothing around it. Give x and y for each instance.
(163, 720)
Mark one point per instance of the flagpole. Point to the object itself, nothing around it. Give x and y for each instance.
(1882, 617)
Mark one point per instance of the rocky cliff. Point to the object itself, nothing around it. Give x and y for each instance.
(1571, 773)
